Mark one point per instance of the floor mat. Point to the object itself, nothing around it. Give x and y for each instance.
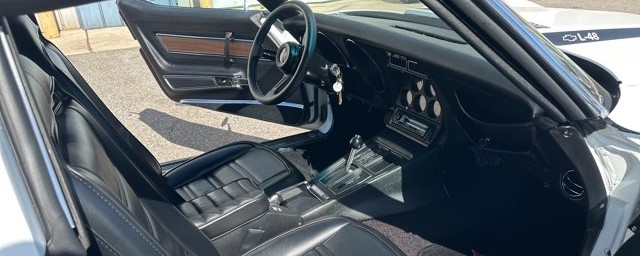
(412, 244)
(409, 243)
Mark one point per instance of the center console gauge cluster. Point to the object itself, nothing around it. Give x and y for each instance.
(420, 97)
(418, 113)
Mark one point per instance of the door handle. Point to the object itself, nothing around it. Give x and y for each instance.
(228, 37)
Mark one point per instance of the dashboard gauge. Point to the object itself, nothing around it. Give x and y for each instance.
(435, 109)
(420, 103)
(418, 85)
(432, 91)
(406, 99)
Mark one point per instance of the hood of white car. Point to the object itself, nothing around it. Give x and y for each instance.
(611, 39)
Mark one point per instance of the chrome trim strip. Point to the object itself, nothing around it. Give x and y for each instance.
(553, 58)
(245, 102)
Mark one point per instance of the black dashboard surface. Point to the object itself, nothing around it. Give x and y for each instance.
(440, 78)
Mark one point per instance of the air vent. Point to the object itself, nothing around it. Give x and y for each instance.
(572, 184)
(398, 61)
(416, 68)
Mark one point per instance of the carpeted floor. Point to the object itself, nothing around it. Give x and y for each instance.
(411, 244)
(504, 213)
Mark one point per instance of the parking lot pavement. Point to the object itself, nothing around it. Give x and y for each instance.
(123, 81)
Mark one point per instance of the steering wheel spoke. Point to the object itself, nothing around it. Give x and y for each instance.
(268, 54)
(279, 85)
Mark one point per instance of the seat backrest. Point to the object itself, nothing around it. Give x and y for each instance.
(123, 211)
(50, 59)
(111, 131)
(122, 220)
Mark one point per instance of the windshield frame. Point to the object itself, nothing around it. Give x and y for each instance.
(575, 79)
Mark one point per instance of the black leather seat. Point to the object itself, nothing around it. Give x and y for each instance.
(190, 182)
(263, 166)
(225, 208)
(329, 236)
(126, 215)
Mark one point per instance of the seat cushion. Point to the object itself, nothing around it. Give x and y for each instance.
(224, 209)
(329, 236)
(245, 160)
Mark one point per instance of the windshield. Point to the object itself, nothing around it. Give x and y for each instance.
(323, 6)
(334, 6)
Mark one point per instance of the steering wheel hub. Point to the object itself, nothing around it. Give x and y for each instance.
(287, 57)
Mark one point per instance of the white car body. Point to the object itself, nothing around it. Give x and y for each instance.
(611, 39)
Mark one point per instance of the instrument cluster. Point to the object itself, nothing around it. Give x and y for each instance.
(420, 97)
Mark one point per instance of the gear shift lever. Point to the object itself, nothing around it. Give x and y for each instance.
(356, 143)
(327, 175)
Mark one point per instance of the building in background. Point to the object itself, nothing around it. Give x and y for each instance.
(105, 14)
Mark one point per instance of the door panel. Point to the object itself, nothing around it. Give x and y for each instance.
(199, 57)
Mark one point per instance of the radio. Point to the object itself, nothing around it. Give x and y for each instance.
(414, 126)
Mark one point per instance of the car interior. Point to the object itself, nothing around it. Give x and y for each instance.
(416, 145)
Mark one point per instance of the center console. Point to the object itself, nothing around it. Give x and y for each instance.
(392, 172)
(389, 169)
(367, 161)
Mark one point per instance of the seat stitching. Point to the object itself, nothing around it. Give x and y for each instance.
(121, 216)
(100, 240)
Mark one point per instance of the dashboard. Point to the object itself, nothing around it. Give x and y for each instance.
(427, 80)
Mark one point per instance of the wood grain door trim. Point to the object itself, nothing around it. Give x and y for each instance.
(198, 45)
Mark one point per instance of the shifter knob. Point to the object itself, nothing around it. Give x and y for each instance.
(356, 142)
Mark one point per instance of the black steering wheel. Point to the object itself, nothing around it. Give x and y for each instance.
(292, 58)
